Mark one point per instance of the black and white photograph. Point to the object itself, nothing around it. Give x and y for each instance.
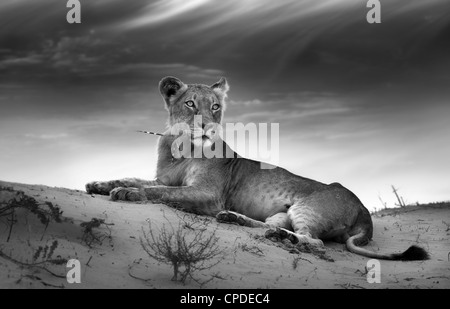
(237, 146)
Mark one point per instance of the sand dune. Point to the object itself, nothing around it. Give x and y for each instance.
(112, 257)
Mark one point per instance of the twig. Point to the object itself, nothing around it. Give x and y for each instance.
(298, 258)
(351, 286)
(401, 203)
(11, 259)
(382, 202)
(37, 265)
(253, 250)
(87, 264)
(53, 286)
(11, 225)
(51, 273)
(366, 271)
(45, 230)
(135, 277)
(217, 276)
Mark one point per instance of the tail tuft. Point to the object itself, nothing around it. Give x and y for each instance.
(413, 253)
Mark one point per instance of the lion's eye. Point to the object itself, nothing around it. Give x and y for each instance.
(190, 103)
(215, 107)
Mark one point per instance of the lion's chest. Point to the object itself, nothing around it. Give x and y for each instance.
(181, 173)
(191, 173)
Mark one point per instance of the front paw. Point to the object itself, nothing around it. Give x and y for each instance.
(128, 194)
(99, 187)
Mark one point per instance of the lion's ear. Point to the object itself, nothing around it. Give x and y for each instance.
(171, 88)
(221, 87)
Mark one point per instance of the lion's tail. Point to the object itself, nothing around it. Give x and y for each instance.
(413, 253)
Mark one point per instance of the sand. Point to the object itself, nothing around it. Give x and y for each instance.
(250, 260)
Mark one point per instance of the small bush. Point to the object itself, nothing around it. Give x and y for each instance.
(92, 237)
(41, 258)
(11, 201)
(189, 249)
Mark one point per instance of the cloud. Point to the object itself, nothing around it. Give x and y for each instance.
(48, 136)
(161, 11)
(254, 102)
(299, 43)
(289, 108)
(77, 54)
(352, 134)
(89, 56)
(12, 61)
(68, 55)
(287, 116)
(160, 69)
(213, 14)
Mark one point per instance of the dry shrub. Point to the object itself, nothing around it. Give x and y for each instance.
(11, 201)
(188, 247)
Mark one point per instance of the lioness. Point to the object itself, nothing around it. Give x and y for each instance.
(236, 189)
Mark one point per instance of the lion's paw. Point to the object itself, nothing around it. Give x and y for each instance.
(279, 235)
(99, 187)
(230, 217)
(128, 194)
(311, 241)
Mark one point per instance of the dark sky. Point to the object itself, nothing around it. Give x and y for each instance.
(363, 104)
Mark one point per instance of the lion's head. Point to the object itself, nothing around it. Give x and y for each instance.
(196, 107)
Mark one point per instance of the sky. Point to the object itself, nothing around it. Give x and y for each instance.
(366, 105)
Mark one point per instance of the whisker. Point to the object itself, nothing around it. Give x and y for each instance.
(151, 133)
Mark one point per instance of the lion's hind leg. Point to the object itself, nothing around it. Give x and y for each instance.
(279, 220)
(305, 223)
